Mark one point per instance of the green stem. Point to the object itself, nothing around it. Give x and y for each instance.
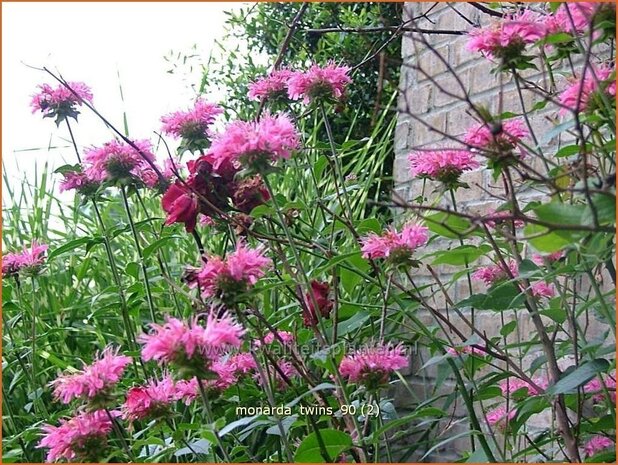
(210, 419)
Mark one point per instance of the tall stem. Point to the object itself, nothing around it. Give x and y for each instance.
(210, 419)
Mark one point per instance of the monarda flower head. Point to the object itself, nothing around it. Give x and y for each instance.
(497, 141)
(119, 162)
(192, 125)
(506, 39)
(152, 401)
(228, 278)
(373, 366)
(271, 87)
(597, 388)
(328, 82)
(499, 219)
(494, 274)
(82, 438)
(254, 145)
(585, 95)
(79, 181)
(573, 17)
(59, 102)
(510, 386)
(316, 301)
(397, 247)
(444, 165)
(500, 417)
(598, 444)
(95, 382)
(191, 348)
(29, 261)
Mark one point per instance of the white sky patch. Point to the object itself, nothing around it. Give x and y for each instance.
(104, 45)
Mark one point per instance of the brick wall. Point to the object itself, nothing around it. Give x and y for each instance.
(424, 97)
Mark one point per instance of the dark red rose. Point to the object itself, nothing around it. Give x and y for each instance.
(321, 298)
(181, 206)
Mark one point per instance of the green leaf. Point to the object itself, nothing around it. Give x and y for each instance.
(504, 296)
(508, 328)
(335, 442)
(579, 377)
(545, 241)
(150, 248)
(461, 255)
(448, 225)
(560, 213)
(72, 245)
(567, 151)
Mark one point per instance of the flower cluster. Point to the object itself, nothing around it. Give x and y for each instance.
(373, 366)
(79, 181)
(191, 348)
(192, 125)
(117, 161)
(497, 141)
(510, 386)
(598, 444)
(155, 399)
(581, 94)
(597, 388)
(444, 165)
(94, 382)
(81, 438)
(228, 278)
(500, 417)
(494, 274)
(29, 261)
(60, 102)
(398, 247)
(254, 145)
(317, 83)
(572, 17)
(468, 350)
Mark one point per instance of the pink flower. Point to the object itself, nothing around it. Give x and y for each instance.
(542, 289)
(270, 86)
(500, 418)
(506, 38)
(493, 274)
(243, 363)
(117, 161)
(445, 165)
(94, 382)
(574, 16)
(597, 388)
(284, 337)
(254, 144)
(81, 438)
(29, 261)
(502, 138)
(579, 95)
(154, 400)
(191, 346)
(319, 82)
(394, 245)
(205, 220)
(284, 370)
(240, 270)
(512, 385)
(597, 444)
(494, 219)
(373, 366)
(226, 376)
(543, 260)
(78, 181)
(181, 206)
(191, 124)
(60, 102)
(317, 296)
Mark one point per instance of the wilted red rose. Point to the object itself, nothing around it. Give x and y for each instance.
(320, 291)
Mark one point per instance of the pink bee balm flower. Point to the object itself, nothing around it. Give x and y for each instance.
(471, 350)
(597, 388)
(284, 370)
(493, 274)
(397, 246)
(191, 124)
(500, 417)
(543, 290)
(271, 86)
(191, 347)
(59, 102)
(29, 261)
(598, 444)
(154, 400)
(507, 38)
(373, 366)
(254, 144)
(318, 82)
(579, 95)
(512, 385)
(81, 438)
(117, 161)
(574, 16)
(243, 363)
(444, 165)
(226, 376)
(94, 382)
(283, 336)
(240, 270)
(79, 181)
(543, 260)
(500, 138)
